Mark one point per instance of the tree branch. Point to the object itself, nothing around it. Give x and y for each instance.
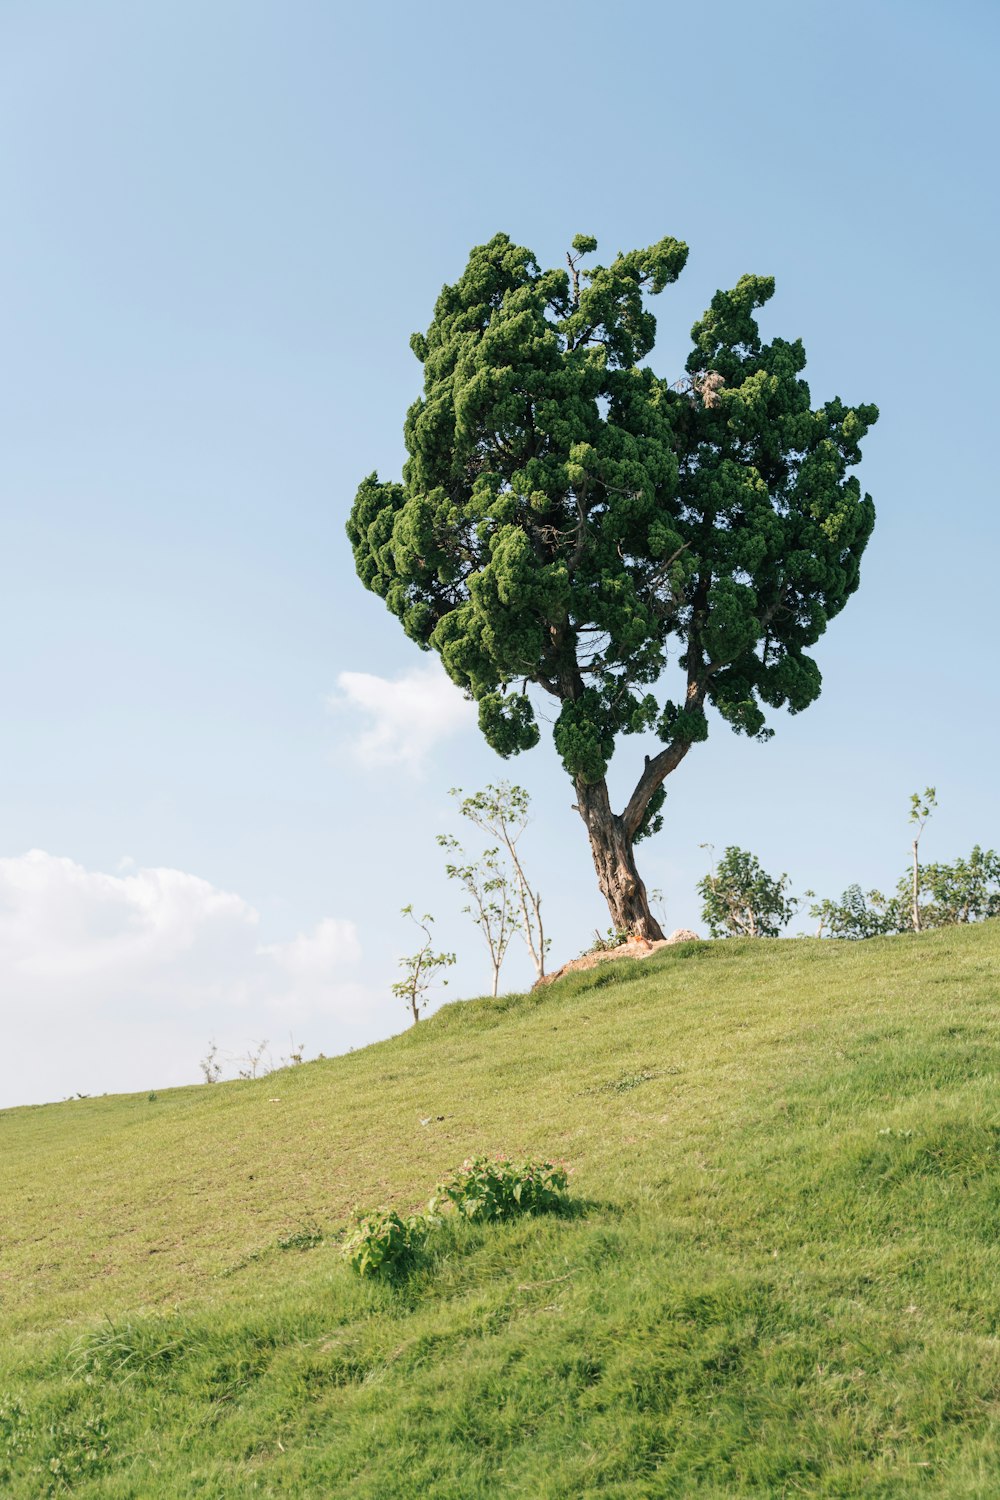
(654, 774)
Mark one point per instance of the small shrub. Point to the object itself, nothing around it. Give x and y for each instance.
(495, 1187)
(613, 938)
(385, 1244)
(211, 1068)
(484, 1188)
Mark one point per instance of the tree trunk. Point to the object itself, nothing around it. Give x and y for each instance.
(614, 861)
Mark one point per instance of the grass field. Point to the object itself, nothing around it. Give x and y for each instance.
(781, 1274)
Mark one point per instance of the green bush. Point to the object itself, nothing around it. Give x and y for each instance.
(385, 1244)
(495, 1187)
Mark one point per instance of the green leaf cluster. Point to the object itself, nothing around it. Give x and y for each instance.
(859, 914)
(384, 1243)
(570, 519)
(740, 899)
(967, 890)
(496, 1187)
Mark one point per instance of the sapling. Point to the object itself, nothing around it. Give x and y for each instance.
(920, 810)
(502, 812)
(491, 900)
(210, 1066)
(420, 968)
(254, 1064)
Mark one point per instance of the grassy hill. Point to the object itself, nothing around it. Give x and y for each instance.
(781, 1275)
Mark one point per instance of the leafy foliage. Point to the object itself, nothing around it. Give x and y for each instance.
(568, 518)
(496, 1187)
(383, 1243)
(966, 891)
(485, 1188)
(740, 899)
(857, 915)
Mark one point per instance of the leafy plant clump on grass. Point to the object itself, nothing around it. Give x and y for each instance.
(484, 1188)
(495, 1187)
(386, 1244)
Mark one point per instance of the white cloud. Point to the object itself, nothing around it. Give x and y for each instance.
(407, 716)
(314, 955)
(118, 982)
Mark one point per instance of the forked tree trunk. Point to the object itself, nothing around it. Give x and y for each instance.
(620, 881)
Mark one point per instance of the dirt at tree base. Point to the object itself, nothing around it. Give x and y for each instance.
(634, 948)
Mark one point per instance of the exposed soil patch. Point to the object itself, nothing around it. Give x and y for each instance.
(634, 948)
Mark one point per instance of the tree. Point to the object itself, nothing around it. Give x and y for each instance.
(571, 521)
(491, 903)
(740, 899)
(420, 968)
(502, 813)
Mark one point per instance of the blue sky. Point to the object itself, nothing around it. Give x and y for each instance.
(222, 223)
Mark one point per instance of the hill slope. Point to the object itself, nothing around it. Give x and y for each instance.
(782, 1275)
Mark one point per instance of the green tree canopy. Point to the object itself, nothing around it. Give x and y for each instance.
(568, 518)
